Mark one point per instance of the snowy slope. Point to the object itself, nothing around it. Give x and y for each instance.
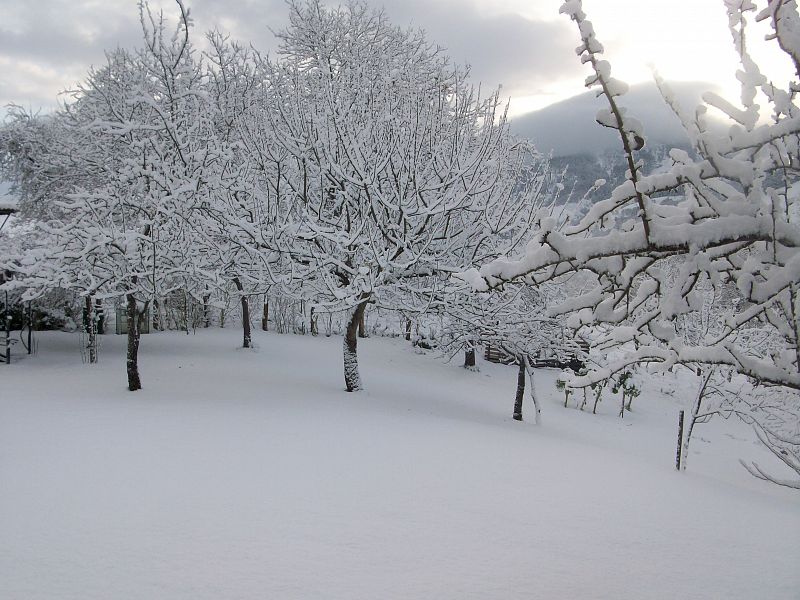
(569, 127)
(251, 474)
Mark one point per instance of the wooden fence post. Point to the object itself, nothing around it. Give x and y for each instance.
(680, 442)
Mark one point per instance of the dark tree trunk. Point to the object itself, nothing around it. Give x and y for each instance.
(134, 383)
(362, 325)
(159, 321)
(265, 315)
(246, 334)
(352, 379)
(144, 316)
(314, 328)
(31, 325)
(206, 311)
(469, 357)
(408, 330)
(520, 389)
(532, 387)
(186, 312)
(698, 403)
(101, 317)
(300, 324)
(90, 327)
(86, 313)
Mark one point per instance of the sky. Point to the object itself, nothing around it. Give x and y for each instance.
(46, 46)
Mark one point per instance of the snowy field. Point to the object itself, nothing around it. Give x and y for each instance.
(251, 474)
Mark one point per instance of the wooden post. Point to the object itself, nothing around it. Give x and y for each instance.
(680, 442)
(7, 320)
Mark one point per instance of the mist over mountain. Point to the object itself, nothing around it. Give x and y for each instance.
(569, 127)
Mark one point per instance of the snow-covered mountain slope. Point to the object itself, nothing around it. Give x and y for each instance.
(569, 127)
(251, 474)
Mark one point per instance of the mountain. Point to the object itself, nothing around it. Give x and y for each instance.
(569, 127)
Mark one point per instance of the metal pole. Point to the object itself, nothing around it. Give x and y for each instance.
(680, 442)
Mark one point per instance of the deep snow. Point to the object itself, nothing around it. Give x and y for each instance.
(252, 474)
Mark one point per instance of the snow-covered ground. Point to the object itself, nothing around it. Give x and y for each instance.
(252, 474)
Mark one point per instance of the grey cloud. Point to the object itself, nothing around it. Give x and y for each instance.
(47, 46)
(56, 41)
(507, 49)
(248, 21)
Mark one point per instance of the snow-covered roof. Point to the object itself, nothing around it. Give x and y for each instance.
(7, 208)
(8, 202)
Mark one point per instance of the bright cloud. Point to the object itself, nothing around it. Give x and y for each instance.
(47, 46)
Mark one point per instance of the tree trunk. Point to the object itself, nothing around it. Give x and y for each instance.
(169, 322)
(300, 323)
(520, 389)
(30, 327)
(352, 379)
(534, 397)
(246, 335)
(206, 311)
(144, 318)
(265, 315)
(90, 327)
(408, 330)
(314, 328)
(698, 403)
(469, 357)
(101, 317)
(159, 321)
(134, 383)
(628, 403)
(362, 324)
(186, 311)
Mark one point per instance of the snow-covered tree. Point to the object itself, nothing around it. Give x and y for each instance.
(387, 153)
(118, 178)
(736, 225)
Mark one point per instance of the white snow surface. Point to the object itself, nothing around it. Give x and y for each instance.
(252, 474)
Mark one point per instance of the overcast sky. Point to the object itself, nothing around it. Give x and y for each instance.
(525, 45)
